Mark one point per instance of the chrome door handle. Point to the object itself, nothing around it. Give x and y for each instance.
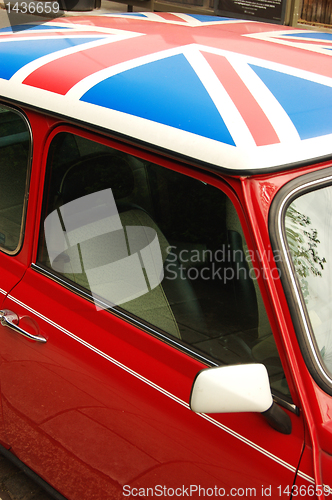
(10, 319)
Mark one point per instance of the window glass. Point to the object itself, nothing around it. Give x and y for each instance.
(308, 225)
(157, 244)
(14, 162)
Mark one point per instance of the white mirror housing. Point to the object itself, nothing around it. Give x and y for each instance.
(230, 389)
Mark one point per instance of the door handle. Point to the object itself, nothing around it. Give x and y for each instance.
(10, 319)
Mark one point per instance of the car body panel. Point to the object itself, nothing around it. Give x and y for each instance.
(101, 410)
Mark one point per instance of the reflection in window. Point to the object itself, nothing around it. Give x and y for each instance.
(308, 226)
(164, 247)
(14, 161)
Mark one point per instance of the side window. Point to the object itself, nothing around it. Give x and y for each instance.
(308, 231)
(14, 165)
(157, 244)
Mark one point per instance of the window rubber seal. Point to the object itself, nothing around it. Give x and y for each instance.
(298, 310)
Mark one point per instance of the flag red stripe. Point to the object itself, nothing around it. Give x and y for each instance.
(253, 115)
(171, 17)
(77, 66)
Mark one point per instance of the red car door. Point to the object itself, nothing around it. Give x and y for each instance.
(138, 281)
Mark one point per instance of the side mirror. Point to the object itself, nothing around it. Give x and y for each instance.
(230, 389)
(238, 388)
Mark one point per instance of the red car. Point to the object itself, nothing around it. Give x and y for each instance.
(165, 231)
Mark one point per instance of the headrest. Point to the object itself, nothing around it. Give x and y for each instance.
(98, 172)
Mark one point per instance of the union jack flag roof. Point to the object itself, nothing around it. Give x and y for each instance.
(237, 94)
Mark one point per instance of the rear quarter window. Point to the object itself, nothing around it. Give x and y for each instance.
(15, 152)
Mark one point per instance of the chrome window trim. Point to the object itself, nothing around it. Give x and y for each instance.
(279, 241)
(285, 404)
(122, 314)
(27, 184)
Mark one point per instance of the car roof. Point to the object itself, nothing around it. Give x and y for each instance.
(239, 95)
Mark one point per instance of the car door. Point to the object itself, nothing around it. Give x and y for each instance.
(140, 278)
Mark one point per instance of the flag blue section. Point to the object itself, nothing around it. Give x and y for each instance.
(32, 27)
(208, 19)
(15, 55)
(308, 104)
(311, 35)
(167, 91)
